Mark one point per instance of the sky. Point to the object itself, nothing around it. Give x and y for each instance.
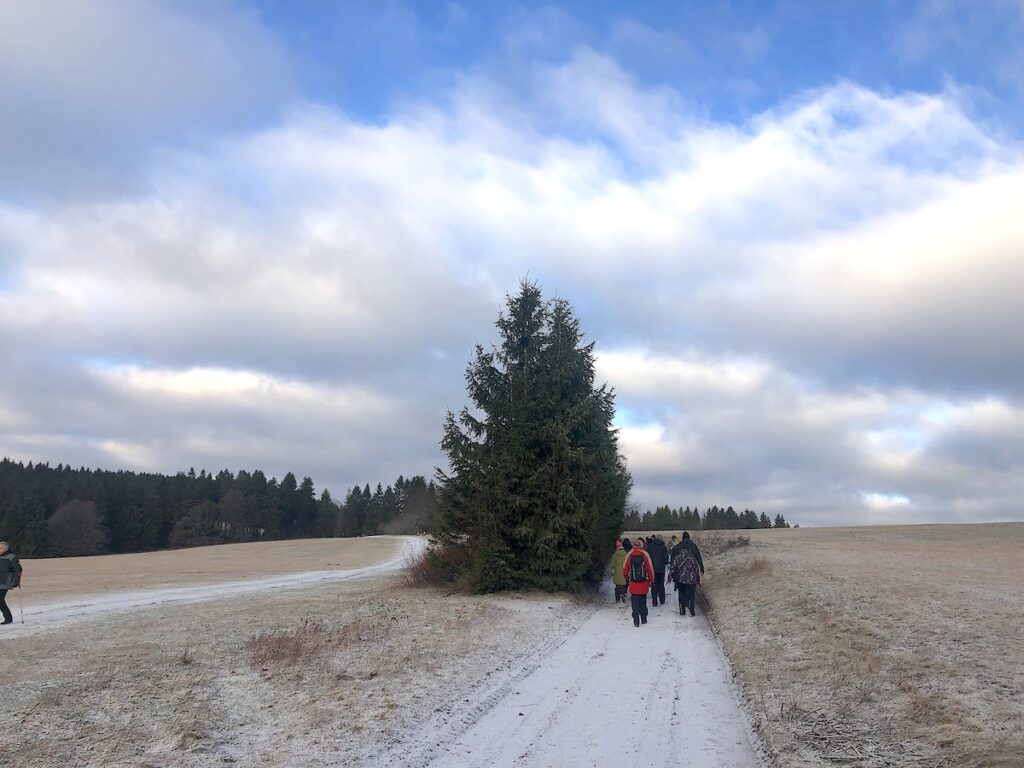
(269, 235)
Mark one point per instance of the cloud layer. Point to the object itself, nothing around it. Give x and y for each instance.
(813, 311)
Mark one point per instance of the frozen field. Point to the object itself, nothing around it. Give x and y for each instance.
(359, 670)
(887, 646)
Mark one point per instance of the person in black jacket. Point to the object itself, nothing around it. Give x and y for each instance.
(10, 577)
(659, 558)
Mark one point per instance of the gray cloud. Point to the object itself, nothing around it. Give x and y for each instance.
(88, 88)
(808, 313)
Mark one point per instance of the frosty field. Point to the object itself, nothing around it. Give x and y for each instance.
(364, 671)
(864, 647)
(887, 646)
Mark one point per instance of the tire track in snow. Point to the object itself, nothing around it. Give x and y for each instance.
(603, 694)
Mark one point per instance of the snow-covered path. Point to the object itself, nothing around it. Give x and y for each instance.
(609, 695)
(51, 615)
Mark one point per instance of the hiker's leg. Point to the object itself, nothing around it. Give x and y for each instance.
(635, 601)
(643, 608)
(8, 618)
(659, 586)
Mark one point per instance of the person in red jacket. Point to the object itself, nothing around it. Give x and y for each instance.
(639, 575)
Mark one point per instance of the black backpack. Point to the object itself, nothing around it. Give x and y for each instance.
(637, 568)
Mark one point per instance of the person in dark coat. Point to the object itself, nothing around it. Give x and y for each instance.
(685, 573)
(660, 560)
(10, 578)
(687, 588)
(694, 550)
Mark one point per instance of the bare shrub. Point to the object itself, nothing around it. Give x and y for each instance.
(759, 565)
(287, 647)
(712, 544)
(434, 566)
(314, 641)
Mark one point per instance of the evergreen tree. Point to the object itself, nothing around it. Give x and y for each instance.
(306, 511)
(536, 488)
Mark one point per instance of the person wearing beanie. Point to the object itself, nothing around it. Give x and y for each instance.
(618, 560)
(687, 568)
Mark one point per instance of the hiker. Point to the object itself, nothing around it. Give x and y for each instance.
(685, 573)
(639, 575)
(694, 549)
(10, 578)
(660, 561)
(672, 544)
(618, 561)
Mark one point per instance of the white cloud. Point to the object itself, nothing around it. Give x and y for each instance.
(884, 501)
(788, 305)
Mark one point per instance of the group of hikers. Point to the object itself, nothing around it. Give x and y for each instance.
(10, 578)
(646, 564)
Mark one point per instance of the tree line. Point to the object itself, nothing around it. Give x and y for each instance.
(52, 512)
(715, 518)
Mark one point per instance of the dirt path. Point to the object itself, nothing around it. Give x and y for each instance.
(606, 694)
(50, 615)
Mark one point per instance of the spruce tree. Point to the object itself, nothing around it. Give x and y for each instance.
(536, 488)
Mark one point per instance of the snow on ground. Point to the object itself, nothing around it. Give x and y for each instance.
(606, 694)
(376, 674)
(44, 616)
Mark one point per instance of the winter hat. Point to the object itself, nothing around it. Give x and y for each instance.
(618, 544)
(627, 544)
(686, 535)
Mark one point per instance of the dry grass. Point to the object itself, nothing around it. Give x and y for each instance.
(714, 543)
(317, 677)
(711, 543)
(879, 646)
(54, 579)
(312, 643)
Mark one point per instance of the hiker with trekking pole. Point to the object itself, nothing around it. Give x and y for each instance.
(10, 578)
